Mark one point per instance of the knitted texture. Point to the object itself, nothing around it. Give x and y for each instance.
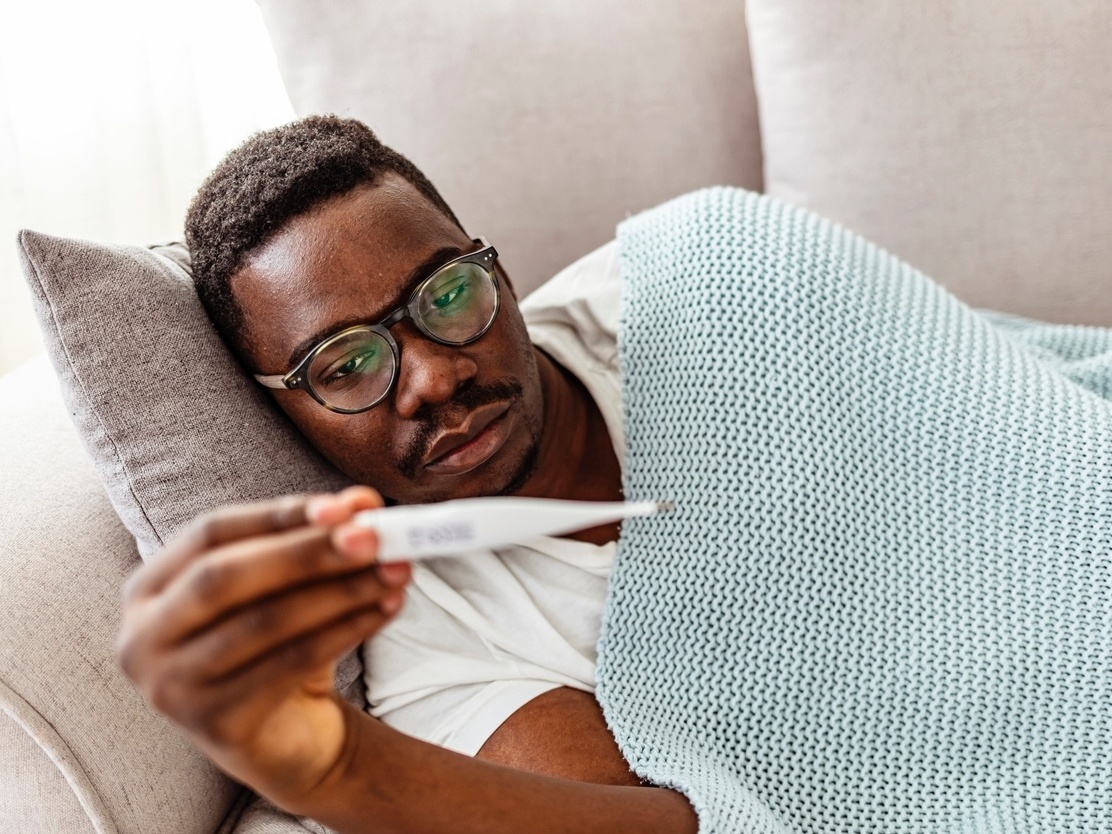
(883, 602)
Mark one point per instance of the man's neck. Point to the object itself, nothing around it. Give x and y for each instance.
(576, 458)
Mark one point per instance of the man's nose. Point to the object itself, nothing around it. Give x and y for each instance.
(428, 372)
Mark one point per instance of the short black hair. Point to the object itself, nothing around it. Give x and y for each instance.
(268, 180)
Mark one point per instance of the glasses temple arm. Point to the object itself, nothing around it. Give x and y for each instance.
(271, 381)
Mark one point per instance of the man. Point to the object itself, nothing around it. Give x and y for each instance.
(394, 342)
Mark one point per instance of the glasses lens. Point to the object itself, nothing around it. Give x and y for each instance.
(458, 303)
(353, 371)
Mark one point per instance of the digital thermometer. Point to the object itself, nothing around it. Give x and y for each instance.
(424, 531)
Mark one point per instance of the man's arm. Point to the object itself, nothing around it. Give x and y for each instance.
(560, 733)
(233, 632)
(390, 782)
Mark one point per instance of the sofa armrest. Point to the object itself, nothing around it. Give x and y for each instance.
(89, 743)
(34, 792)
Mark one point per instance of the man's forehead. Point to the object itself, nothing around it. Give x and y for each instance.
(345, 261)
(378, 225)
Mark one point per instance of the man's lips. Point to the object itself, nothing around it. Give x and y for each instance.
(456, 450)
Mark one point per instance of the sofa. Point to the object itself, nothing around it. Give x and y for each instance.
(972, 140)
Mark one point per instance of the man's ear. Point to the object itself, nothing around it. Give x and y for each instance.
(506, 278)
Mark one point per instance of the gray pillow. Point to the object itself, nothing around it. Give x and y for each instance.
(173, 424)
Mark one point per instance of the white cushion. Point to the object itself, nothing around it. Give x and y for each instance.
(972, 139)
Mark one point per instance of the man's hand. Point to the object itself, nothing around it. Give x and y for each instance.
(234, 629)
(233, 632)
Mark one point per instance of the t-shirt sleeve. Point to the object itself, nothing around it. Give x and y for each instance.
(462, 718)
(574, 318)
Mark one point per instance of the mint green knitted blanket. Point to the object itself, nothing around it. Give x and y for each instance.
(884, 600)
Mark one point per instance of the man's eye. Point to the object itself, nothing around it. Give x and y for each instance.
(453, 297)
(350, 366)
(356, 363)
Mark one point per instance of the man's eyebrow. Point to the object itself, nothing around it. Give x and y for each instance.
(419, 273)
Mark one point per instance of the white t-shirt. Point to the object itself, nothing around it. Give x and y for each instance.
(480, 636)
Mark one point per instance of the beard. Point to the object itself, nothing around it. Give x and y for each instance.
(432, 420)
(525, 469)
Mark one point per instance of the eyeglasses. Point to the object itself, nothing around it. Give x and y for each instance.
(353, 370)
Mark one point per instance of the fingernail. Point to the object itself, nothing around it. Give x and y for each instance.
(394, 573)
(313, 509)
(356, 543)
(391, 603)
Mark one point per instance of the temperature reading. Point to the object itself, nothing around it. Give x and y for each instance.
(460, 532)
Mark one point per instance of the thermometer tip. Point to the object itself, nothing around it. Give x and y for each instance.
(665, 506)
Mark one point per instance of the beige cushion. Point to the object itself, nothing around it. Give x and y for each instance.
(260, 817)
(36, 795)
(972, 139)
(80, 749)
(542, 122)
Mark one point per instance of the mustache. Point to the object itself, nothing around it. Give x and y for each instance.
(432, 420)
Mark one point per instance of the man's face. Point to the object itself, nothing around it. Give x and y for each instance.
(459, 421)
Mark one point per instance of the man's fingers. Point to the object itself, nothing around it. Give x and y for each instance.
(212, 530)
(338, 511)
(257, 687)
(338, 508)
(243, 573)
(252, 632)
(291, 661)
(230, 524)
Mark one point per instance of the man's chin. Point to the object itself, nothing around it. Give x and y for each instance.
(524, 472)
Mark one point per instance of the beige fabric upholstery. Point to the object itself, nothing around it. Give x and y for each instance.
(111, 764)
(260, 817)
(542, 122)
(972, 139)
(36, 796)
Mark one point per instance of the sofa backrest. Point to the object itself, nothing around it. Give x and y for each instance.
(974, 140)
(971, 140)
(542, 122)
